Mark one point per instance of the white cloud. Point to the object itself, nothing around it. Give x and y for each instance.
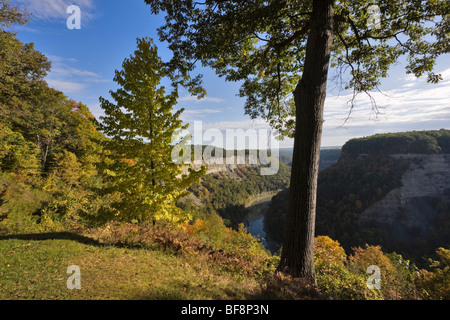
(68, 79)
(236, 125)
(21, 28)
(55, 9)
(190, 115)
(412, 104)
(409, 104)
(189, 98)
(67, 71)
(258, 133)
(66, 86)
(202, 111)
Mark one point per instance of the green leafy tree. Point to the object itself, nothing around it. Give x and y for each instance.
(281, 51)
(141, 125)
(50, 148)
(22, 70)
(27, 105)
(17, 156)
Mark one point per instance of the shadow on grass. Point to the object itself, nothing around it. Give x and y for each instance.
(53, 236)
(65, 235)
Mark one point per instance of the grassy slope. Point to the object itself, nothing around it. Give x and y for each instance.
(36, 269)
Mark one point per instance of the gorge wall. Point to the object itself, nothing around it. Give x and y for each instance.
(391, 190)
(410, 213)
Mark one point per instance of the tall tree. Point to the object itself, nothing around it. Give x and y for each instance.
(142, 125)
(22, 68)
(49, 145)
(282, 50)
(22, 84)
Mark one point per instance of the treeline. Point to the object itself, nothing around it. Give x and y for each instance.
(62, 169)
(425, 142)
(212, 150)
(49, 145)
(226, 193)
(357, 182)
(345, 275)
(328, 156)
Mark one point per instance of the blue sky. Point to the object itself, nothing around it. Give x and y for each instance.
(84, 61)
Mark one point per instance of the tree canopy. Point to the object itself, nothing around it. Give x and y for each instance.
(263, 45)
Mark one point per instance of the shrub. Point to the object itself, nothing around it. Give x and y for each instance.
(333, 276)
(396, 281)
(211, 229)
(19, 205)
(435, 285)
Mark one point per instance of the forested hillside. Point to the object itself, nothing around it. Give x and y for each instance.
(50, 148)
(226, 193)
(370, 169)
(228, 188)
(60, 168)
(422, 142)
(105, 195)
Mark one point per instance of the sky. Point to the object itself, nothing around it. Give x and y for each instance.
(84, 61)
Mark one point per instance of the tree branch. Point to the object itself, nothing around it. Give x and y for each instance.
(259, 38)
(297, 34)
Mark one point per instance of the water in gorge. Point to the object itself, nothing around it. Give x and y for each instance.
(255, 220)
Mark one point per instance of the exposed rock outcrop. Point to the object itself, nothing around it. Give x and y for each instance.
(226, 164)
(408, 212)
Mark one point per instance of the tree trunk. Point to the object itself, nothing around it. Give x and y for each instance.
(297, 258)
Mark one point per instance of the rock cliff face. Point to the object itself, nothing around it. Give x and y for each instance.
(226, 165)
(409, 212)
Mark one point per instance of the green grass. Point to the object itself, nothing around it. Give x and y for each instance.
(36, 269)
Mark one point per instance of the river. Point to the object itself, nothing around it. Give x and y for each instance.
(254, 224)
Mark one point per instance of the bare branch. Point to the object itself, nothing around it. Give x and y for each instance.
(355, 93)
(259, 38)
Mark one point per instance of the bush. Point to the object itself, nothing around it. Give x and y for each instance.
(397, 275)
(343, 277)
(333, 276)
(210, 229)
(19, 205)
(435, 285)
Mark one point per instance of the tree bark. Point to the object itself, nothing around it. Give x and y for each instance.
(297, 257)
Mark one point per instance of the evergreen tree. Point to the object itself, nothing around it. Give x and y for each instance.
(141, 125)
